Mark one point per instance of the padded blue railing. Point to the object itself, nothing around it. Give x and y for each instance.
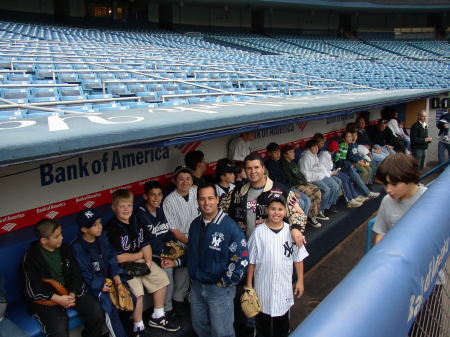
(372, 221)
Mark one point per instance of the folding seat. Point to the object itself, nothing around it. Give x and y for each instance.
(78, 108)
(43, 99)
(44, 72)
(87, 76)
(99, 96)
(46, 81)
(68, 78)
(106, 76)
(108, 107)
(43, 92)
(12, 113)
(19, 77)
(91, 84)
(123, 75)
(28, 67)
(73, 98)
(119, 90)
(14, 94)
(137, 88)
(69, 91)
(148, 96)
(33, 113)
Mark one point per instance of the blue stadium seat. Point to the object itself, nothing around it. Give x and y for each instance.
(15, 94)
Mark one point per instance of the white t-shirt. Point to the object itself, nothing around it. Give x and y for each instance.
(273, 255)
(238, 149)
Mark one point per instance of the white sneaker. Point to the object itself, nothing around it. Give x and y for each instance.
(373, 195)
(361, 198)
(354, 203)
(322, 216)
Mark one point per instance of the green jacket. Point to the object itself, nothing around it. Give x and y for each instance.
(292, 173)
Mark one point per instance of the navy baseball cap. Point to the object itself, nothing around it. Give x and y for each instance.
(223, 169)
(87, 218)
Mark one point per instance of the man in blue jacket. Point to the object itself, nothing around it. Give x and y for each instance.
(217, 258)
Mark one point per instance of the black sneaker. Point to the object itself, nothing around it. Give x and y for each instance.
(141, 333)
(313, 222)
(163, 323)
(170, 314)
(332, 209)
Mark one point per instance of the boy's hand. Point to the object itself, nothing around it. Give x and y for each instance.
(167, 263)
(66, 301)
(298, 237)
(298, 289)
(106, 287)
(149, 264)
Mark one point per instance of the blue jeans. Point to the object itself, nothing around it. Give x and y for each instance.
(9, 329)
(304, 202)
(354, 176)
(441, 152)
(212, 310)
(347, 186)
(330, 192)
(419, 154)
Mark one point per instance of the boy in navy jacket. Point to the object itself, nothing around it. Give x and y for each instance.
(97, 260)
(151, 216)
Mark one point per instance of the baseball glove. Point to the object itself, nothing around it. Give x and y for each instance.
(250, 303)
(59, 288)
(175, 251)
(121, 297)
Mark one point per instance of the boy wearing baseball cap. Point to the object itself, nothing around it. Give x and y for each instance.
(273, 255)
(97, 260)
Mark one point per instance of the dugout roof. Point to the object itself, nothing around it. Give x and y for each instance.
(25, 140)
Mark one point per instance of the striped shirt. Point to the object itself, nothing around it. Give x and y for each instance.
(273, 255)
(179, 212)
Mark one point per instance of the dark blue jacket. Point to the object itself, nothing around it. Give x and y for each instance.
(217, 252)
(276, 173)
(352, 153)
(157, 227)
(95, 267)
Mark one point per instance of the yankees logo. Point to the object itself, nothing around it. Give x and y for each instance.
(288, 249)
(216, 241)
(217, 238)
(88, 214)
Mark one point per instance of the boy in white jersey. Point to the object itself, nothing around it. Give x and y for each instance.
(272, 257)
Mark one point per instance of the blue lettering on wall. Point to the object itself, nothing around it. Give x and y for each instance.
(59, 174)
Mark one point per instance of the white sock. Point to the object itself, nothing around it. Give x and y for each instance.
(158, 312)
(138, 326)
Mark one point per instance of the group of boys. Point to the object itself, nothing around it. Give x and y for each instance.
(83, 274)
(87, 270)
(321, 173)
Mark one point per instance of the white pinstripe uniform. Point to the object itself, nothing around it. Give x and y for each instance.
(179, 212)
(273, 255)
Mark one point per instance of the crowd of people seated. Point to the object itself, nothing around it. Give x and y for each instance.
(211, 217)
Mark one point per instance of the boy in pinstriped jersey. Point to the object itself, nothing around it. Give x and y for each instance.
(272, 257)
